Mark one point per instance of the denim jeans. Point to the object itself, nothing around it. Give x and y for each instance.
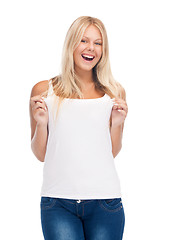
(93, 219)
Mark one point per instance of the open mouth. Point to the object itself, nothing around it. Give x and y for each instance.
(87, 58)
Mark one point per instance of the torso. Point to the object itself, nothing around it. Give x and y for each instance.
(90, 95)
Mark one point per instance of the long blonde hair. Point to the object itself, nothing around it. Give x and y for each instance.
(67, 84)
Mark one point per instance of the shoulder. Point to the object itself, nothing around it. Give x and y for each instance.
(40, 87)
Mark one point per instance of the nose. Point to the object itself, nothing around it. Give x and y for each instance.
(91, 46)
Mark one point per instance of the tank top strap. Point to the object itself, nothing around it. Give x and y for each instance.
(50, 88)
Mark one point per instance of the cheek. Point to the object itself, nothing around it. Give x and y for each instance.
(79, 49)
(77, 53)
(99, 52)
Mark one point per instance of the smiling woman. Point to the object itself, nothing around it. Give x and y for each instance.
(81, 193)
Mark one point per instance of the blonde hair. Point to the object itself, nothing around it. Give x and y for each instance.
(67, 84)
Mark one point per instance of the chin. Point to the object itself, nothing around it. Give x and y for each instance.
(87, 68)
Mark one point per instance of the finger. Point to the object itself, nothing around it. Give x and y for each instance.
(36, 99)
(33, 103)
(39, 109)
(39, 105)
(121, 106)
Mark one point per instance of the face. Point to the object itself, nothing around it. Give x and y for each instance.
(89, 50)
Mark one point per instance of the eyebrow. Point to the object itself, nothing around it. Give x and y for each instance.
(95, 40)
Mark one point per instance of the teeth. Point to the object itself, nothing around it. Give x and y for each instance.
(87, 56)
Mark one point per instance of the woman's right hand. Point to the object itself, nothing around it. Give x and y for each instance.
(39, 110)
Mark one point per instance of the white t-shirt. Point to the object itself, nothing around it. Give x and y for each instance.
(79, 163)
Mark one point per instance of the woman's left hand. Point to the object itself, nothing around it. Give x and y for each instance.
(119, 111)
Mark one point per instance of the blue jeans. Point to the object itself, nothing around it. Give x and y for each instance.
(70, 219)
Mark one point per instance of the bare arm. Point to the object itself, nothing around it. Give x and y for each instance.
(38, 121)
(39, 142)
(118, 115)
(116, 137)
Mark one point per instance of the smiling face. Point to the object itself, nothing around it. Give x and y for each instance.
(89, 50)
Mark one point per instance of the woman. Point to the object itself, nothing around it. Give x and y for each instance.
(80, 195)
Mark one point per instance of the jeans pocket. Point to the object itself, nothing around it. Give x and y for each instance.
(47, 202)
(113, 204)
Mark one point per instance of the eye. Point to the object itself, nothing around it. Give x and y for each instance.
(83, 40)
(98, 44)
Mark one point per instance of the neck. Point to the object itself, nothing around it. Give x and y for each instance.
(86, 79)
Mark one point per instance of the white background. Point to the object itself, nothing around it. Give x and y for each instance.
(139, 32)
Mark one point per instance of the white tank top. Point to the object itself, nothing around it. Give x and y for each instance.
(79, 163)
